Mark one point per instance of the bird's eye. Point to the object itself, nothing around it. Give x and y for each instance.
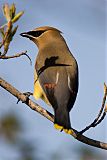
(36, 33)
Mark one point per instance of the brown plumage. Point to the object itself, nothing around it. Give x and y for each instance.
(56, 72)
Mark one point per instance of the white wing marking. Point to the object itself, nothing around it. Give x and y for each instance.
(69, 83)
(57, 77)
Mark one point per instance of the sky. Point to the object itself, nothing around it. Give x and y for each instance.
(83, 23)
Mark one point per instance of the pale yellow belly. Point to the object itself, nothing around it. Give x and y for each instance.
(38, 91)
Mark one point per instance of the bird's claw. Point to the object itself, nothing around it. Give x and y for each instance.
(27, 94)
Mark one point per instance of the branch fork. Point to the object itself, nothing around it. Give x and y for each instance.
(34, 106)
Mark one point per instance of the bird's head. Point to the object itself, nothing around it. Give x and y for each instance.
(42, 35)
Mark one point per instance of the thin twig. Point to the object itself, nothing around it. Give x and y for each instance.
(4, 25)
(3, 41)
(9, 25)
(17, 55)
(103, 103)
(99, 118)
(48, 115)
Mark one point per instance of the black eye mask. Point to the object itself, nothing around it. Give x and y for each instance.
(36, 33)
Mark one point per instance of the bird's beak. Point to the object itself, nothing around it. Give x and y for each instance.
(28, 34)
(25, 34)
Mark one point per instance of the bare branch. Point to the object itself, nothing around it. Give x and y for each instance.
(101, 115)
(48, 115)
(17, 55)
(9, 27)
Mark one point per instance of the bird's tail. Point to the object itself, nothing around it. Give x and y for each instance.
(62, 119)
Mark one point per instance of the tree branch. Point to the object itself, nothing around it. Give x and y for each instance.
(101, 115)
(9, 26)
(16, 56)
(48, 115)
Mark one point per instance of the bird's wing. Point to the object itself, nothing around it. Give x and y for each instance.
(58, 80)
(57, 86)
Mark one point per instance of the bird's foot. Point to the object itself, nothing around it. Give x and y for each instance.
(27, 94)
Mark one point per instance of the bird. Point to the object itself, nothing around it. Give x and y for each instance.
(55, 73)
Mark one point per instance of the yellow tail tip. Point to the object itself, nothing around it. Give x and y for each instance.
(67, 131)
(58, 127)
(70, 131)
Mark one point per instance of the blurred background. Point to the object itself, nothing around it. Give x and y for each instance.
(25, 134)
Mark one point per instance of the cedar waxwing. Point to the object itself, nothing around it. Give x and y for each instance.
(56, 73)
